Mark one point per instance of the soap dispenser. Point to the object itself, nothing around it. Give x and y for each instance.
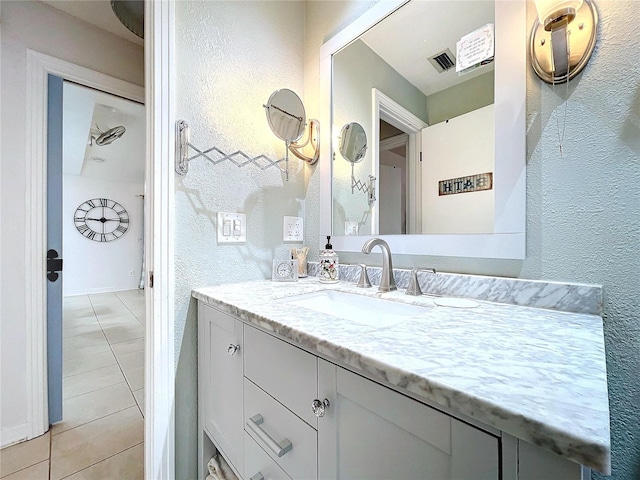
(328, 264)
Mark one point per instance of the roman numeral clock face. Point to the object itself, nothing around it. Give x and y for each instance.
(101, 220)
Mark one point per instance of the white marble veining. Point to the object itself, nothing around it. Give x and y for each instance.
(565, 297)
(539, 375)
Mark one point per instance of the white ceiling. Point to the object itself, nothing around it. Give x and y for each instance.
(423, 28)
(124, 159)
(98, 13)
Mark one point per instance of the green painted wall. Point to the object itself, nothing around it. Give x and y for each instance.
(460, 99)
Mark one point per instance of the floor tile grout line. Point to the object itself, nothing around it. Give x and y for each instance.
(48, 459)
(97, 389)
(126, 306)
(104, 459)
(120, 367)
(96, 419)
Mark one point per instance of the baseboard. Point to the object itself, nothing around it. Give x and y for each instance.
(9, 436)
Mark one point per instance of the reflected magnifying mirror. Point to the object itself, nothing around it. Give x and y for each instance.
(353, 142)
(353, 147)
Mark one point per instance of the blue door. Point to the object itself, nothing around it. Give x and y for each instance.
(54, 247)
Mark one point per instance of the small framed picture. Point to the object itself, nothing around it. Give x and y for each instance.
(285, 271)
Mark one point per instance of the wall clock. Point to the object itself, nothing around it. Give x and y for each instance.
(101, 219)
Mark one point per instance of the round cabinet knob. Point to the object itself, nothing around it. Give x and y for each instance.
(319, 407)
(233, 349)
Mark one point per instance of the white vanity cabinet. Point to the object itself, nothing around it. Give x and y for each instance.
(278, 412)
(372, 432)
(220, 377)
(363, 430)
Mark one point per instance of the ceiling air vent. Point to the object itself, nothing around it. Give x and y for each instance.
(443, 61)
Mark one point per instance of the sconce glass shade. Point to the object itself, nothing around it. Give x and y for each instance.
(552, 13)
(560, 50)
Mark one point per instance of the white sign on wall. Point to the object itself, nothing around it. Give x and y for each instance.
(475, 49)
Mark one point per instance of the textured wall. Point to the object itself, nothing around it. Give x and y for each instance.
(583, 208)
(231, 57)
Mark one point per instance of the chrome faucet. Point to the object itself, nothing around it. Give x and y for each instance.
(414, 285)
(387, 281)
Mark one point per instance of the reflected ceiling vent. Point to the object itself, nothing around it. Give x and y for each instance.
(443, 61)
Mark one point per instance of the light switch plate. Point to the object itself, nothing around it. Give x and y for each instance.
(232, 227)
(292, 229)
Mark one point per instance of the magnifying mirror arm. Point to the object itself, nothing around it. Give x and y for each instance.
(313, 139)
(369, 188)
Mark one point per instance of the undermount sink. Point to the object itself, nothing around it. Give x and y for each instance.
(361, 309)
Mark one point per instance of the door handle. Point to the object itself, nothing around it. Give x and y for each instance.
(54, 264)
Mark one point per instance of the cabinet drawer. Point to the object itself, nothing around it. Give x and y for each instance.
(279, 424)
(258, 465)
(285, 372)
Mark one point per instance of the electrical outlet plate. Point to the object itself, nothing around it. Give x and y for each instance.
(351, 228)
(232, 227)
(292, 229)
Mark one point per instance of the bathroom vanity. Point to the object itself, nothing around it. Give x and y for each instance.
(499, 391)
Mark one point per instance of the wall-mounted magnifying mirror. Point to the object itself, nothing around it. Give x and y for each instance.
(353, 142)
(286, 115)
(446, 148)
(287, 118)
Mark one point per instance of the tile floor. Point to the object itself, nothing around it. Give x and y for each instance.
(102, 434)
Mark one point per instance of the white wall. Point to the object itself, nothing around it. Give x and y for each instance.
(457, 148)
(95, 267)
(34, 25)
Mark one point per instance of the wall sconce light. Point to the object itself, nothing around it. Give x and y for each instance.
(563, 38)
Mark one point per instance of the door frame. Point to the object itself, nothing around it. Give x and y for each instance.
(159, 52)
(384, 108)
(159, 347)
(39, 66)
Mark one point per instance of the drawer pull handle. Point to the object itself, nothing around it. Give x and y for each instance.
(233, 349)
(319, 407)
(257, 476)
(279, 448)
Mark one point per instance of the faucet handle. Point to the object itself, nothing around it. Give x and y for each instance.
(364, 281)
(414, 284)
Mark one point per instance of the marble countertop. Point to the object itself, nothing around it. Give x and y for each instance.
(537, 374)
